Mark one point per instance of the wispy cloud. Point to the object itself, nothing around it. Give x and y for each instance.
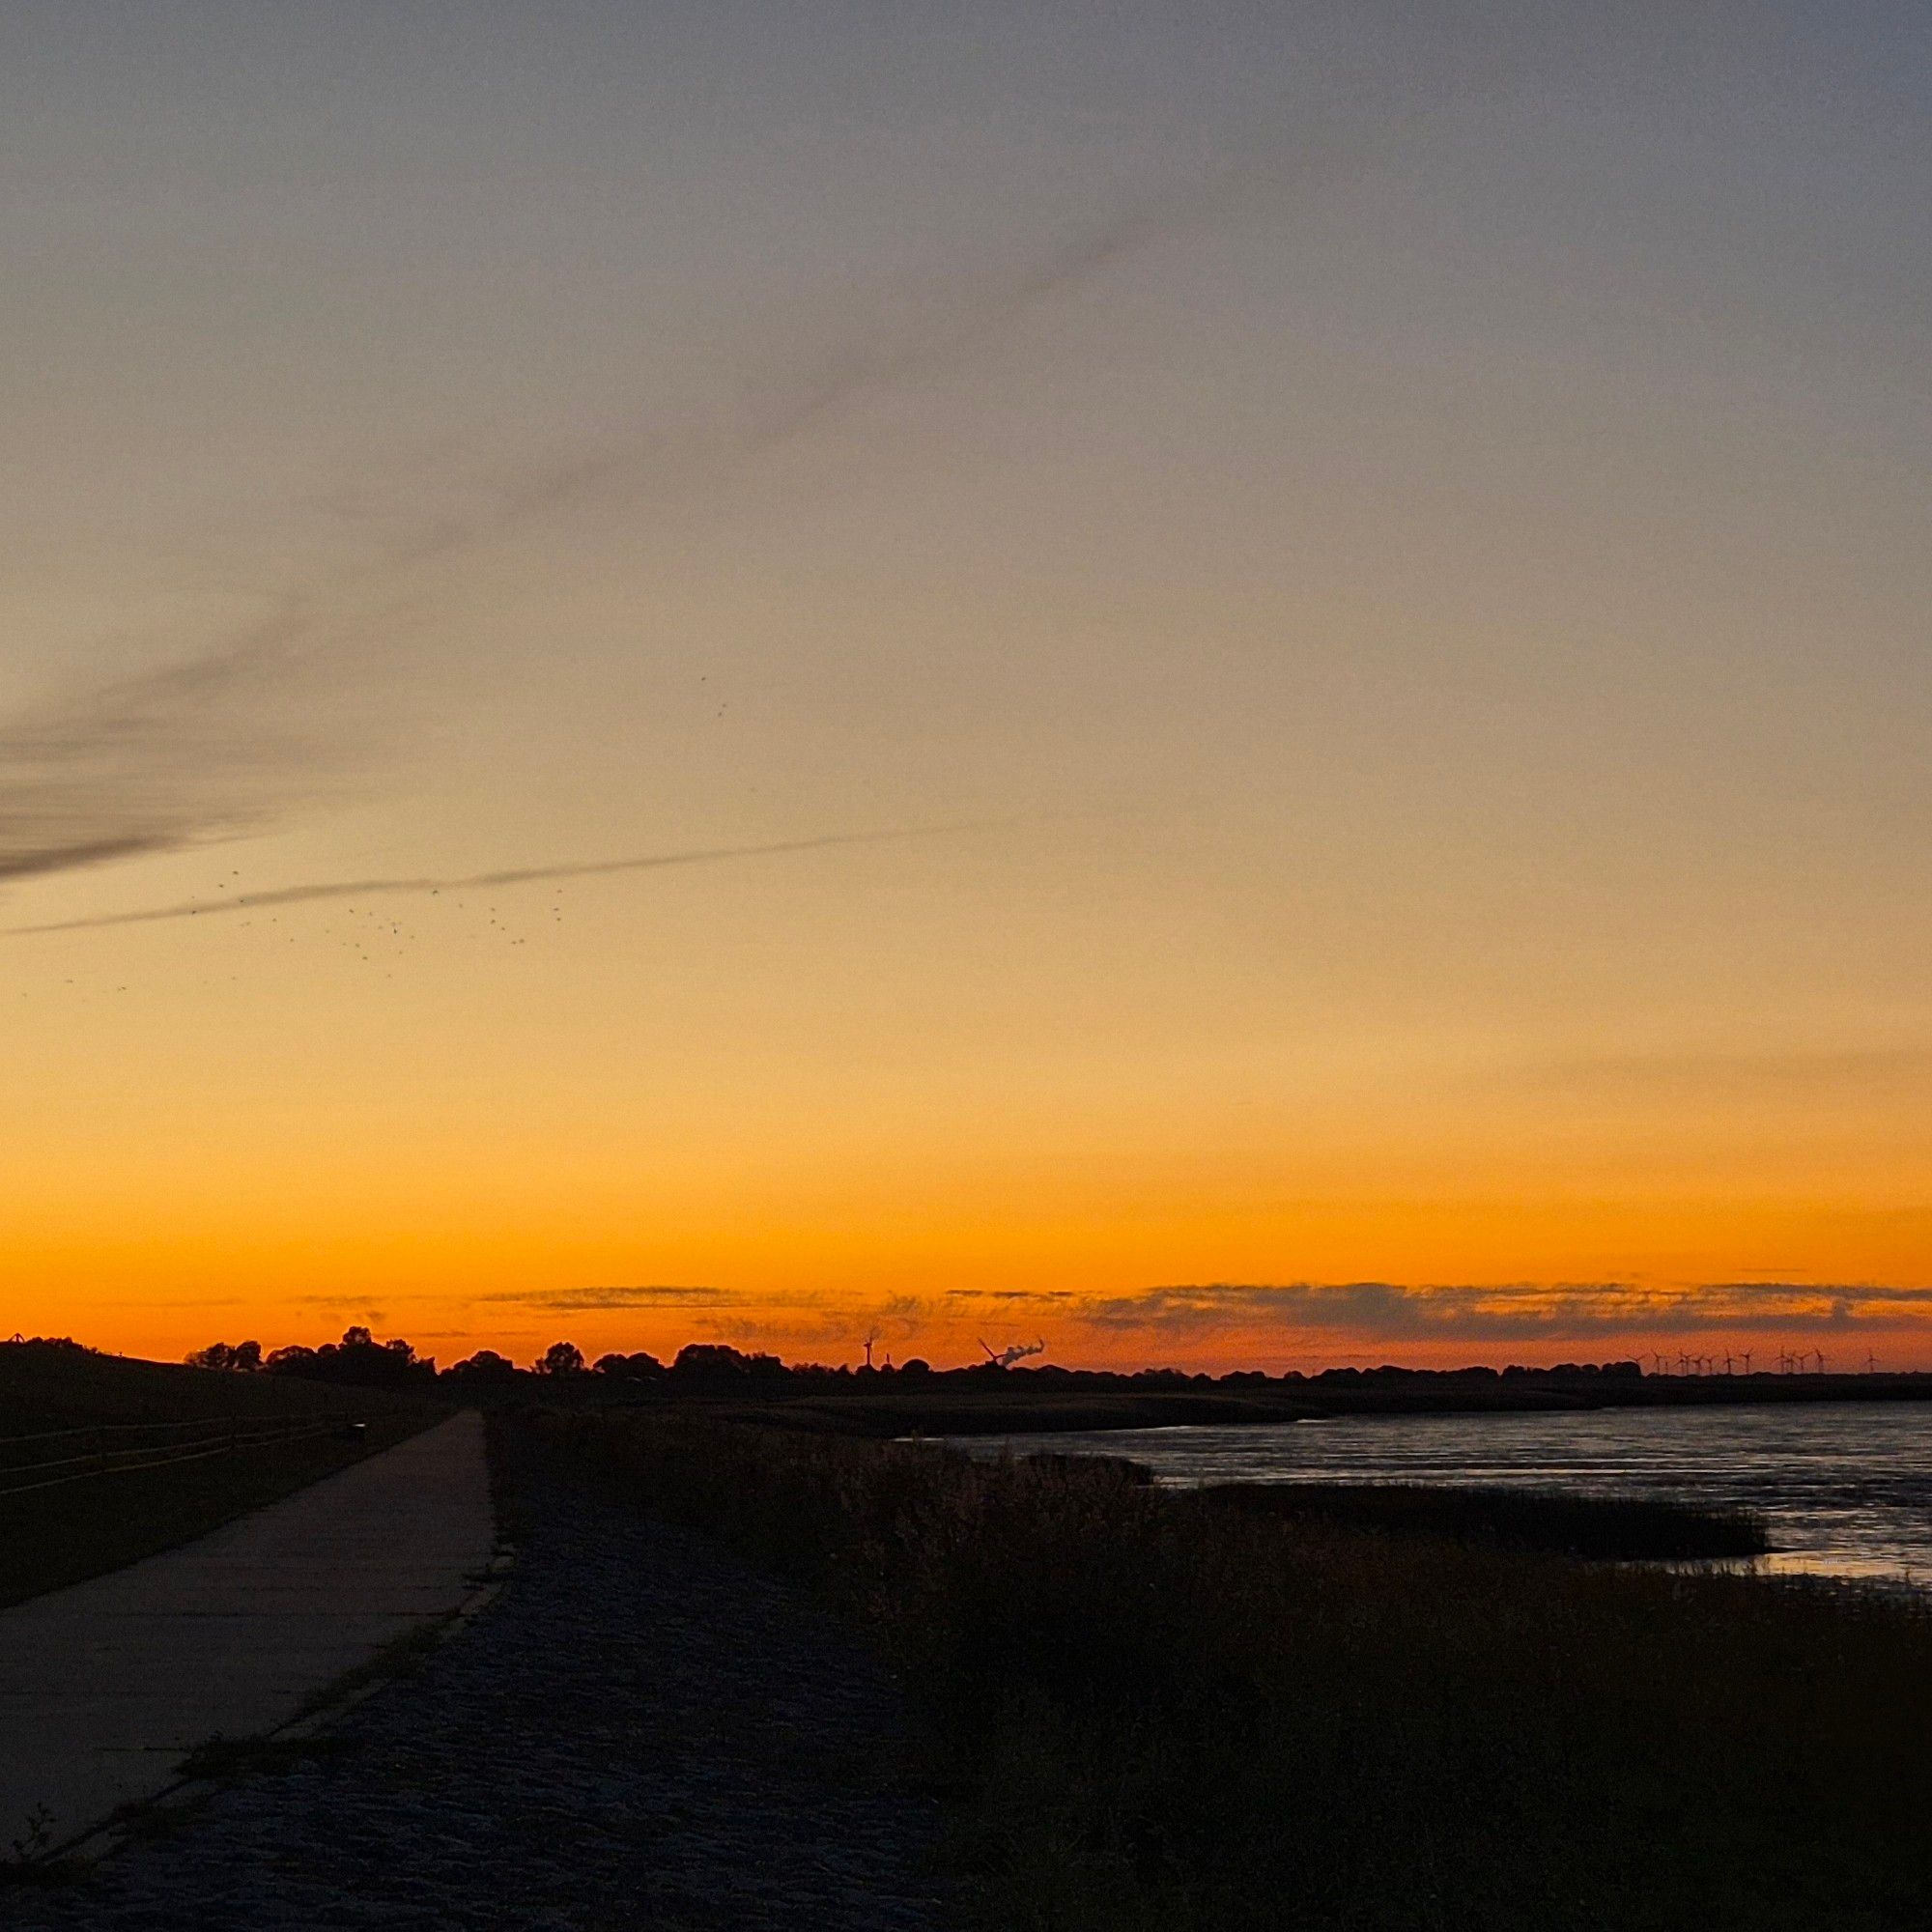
(521, 875)
(1242, 1320)
(580, 1300)
(172, 757)
(229, 738)
(1030, 1296)
(1387, 1312)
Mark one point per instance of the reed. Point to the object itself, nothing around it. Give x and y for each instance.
(1150, 1710)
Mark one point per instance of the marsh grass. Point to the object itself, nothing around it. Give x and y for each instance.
(1154, 1711)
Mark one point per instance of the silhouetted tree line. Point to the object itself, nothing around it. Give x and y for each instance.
(714, 1368)
(357, 1359)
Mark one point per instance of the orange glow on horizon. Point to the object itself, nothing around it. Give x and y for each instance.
(455, 1282)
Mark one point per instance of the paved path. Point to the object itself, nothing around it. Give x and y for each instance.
(104, 1686)
(640, 1734)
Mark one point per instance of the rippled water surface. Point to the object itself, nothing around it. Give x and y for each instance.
(1846, 1486)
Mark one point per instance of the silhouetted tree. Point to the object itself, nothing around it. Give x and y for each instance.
(358, 1358)
(243, 1356)
(636, 1368)
(485, 1365)
(561, 1358)
(717, 1361)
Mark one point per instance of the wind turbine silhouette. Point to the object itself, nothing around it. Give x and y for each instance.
(1017, 1352)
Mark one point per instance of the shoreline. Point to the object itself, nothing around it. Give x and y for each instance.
(1068, 1402)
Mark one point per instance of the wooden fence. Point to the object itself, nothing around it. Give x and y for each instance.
(56, 1456)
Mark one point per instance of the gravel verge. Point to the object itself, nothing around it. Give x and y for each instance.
(641, 1732)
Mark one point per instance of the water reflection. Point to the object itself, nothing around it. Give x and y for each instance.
(1845, 1486)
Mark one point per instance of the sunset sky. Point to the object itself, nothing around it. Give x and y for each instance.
(1284, 649)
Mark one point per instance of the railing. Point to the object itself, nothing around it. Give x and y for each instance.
(116, 1448)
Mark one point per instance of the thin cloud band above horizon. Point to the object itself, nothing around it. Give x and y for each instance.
(520, 876)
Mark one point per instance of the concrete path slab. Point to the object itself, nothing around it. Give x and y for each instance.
(106, 1687)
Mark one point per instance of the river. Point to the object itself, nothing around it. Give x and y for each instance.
(1845, 1488)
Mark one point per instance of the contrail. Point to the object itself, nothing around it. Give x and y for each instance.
(522, 875)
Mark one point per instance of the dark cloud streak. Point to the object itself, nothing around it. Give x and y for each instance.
(1388, 1311)
(170, 757)
(589, 1300)
(209, 746)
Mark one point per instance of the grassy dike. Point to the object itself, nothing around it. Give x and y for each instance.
(64, 1534)
(1154, 1710)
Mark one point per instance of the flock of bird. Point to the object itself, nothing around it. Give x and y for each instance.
(373, 935)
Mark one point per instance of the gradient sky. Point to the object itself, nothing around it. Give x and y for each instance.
(1370, 564)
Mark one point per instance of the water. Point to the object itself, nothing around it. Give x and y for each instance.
(1845, 1488)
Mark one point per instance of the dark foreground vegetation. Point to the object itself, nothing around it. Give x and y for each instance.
(103, 1461)
(1174, 1711)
